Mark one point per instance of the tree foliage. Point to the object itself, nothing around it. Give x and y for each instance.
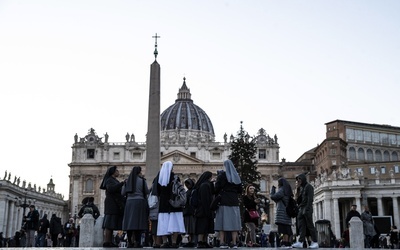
(243, 155)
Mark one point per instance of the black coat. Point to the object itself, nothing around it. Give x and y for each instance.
(249, 204)
(32, 220)
(351, 214)
(44, 224)
(114, 202)
(229, 191)
(205, 195)
(164, 194)
(56, 226)
(89, 208)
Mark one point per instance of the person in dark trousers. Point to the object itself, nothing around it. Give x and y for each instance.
(250, 202)
(304, 218)
(368, 226)
(44, 225)
(2, 242)
(282, 219)
(56, 228)
(114, 205)
(32, 225)
(70, 230)
(352, 213)
(188, 215)
(394, 237)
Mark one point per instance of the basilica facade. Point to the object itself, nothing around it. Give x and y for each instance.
(187, 140)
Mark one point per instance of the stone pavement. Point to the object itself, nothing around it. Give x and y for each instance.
(96, 248)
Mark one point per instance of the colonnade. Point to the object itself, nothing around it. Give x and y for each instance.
(330, 209)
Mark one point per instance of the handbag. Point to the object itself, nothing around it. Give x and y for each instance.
(254, 215)
(152, 200)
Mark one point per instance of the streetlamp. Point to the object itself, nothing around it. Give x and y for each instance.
(24, 206)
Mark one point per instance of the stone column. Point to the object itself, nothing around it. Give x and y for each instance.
(380, 206)
(396, 211)
(328, 210)
(356, 233)
(86, 233)
(153, 144)
(11, 222)
(4, 213)
(98, 232)
(336, 219)
(358, 203)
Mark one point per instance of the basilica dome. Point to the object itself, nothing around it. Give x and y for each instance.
(184, 115)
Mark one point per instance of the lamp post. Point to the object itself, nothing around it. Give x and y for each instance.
(24, 206)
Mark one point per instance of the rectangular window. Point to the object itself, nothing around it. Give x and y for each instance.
(375, 137)
(193, 154)
(359, 171)
(392, 139)
(116, 155)
(367, 136)
(383, 170)
(137, 155)
(263, 186)
(396, 169)
(216, 156)
(350, 134)
(359, 135)
(372, 169)
(262, 154)
(90, 153)
(384, 138)
(333, 151)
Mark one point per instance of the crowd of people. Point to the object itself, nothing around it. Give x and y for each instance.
(42, 232)
(373, 238)
(220, 207)
(211, 207)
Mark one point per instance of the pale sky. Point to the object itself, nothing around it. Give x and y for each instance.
(286, 66)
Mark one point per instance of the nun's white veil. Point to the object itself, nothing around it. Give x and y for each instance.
(231, 173)
(165, 173)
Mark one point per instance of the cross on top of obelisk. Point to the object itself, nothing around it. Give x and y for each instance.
(155, 50)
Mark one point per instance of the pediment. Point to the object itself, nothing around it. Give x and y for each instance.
(178, 157)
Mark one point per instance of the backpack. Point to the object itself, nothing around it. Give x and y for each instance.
(291, 208)
(178, 194)
(194, 198)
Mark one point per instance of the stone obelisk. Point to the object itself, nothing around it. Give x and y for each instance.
(153, 154)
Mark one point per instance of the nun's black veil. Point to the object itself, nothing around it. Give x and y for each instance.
(203, 178)
(130, 185)
(110, 171)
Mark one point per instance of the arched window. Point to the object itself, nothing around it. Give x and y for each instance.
(395, 156)
(89, 186)
(361, 155)
(370, 155)
(378, 155)
(386, 156)
(352, 153)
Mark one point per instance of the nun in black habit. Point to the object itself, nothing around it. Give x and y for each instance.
(204, 216)
(114, 205)
(137, 209)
